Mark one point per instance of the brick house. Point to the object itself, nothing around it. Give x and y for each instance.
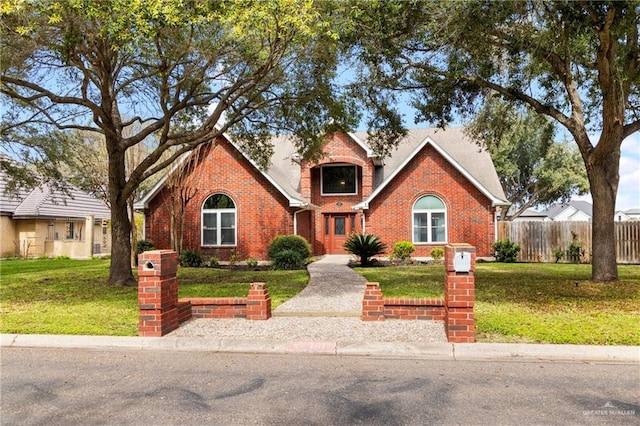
(436, 187)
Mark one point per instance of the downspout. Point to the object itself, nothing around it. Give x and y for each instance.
(364, 229)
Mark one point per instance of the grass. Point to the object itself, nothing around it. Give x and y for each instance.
(208, 282)
(514, 302)
(407, 281)
(56, 296)
(536, 303)
(64, 297)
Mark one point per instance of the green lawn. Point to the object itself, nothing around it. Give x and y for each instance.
(56, 296)
(534, 302)
(514, 302)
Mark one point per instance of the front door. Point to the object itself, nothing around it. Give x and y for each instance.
(337, 228)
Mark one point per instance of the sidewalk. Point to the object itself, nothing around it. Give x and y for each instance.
(438, 351)
(325, 319)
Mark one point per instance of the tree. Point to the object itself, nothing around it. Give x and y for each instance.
(87, 167)
(533, 169)
(574, 62)
(187, 71)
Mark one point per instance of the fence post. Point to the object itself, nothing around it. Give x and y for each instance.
(157, 292)
(459, 293)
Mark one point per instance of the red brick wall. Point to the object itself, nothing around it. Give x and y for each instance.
(262, 211)
(340, 148)
(414, 309)
(469, 212)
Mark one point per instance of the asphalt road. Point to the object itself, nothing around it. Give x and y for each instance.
(126, 386)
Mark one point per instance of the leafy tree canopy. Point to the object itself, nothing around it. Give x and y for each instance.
(574, 62)
(533, 169)
(184, 71)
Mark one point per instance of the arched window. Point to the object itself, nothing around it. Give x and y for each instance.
(429, 220)
(219, 221)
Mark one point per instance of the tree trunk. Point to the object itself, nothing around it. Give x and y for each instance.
(120, 270)
(603, 179)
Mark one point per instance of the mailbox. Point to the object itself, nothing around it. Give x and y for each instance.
(462, 261)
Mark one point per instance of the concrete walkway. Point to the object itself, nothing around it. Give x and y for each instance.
(334, 290)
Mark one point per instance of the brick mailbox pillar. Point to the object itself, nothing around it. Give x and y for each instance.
(459, 293)
(258, 302)
(157, 292)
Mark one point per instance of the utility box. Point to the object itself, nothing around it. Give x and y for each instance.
(462, 262)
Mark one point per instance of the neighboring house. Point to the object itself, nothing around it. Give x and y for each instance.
(43, 222)
(437, 187)
(626, 215)
(575, 211)
(529, 215)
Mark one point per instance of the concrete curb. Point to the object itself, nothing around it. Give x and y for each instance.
(436, 351)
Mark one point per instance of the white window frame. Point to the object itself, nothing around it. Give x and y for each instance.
(429, 213)
(218, 213)
(338, 194)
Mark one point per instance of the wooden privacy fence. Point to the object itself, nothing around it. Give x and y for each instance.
(539, 239)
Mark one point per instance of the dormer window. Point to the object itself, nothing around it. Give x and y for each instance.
(339, 180)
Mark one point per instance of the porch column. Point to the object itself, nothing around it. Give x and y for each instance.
(88, 226)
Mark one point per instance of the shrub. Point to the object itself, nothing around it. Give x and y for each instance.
(437, 254)
(213, 262)
(289, 242)
(365, 246)
(506, 250)
(234, 258)
(402, 250)
(141, 247)
(558, 254)
(144, 245)
(575, 251)
(191, 259)
(288, 260)
(251, 262)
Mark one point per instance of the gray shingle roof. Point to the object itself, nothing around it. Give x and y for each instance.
(44, 201)
(583, 206)
(468, 155)
(473, 161)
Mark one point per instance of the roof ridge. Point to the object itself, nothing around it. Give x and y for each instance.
(45, 189)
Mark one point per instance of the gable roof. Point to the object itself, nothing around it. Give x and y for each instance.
(466, 156)
(575, 207)
(278, 178)
(283, 171)
(45, 202)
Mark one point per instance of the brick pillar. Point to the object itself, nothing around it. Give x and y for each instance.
(459, 293)
(373, 303)
(305, 179)
(367, 180)
(258, 302)
(157, 292)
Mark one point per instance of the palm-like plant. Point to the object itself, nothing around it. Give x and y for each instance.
(365, 246)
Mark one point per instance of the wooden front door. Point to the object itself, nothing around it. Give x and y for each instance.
(337, 228)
